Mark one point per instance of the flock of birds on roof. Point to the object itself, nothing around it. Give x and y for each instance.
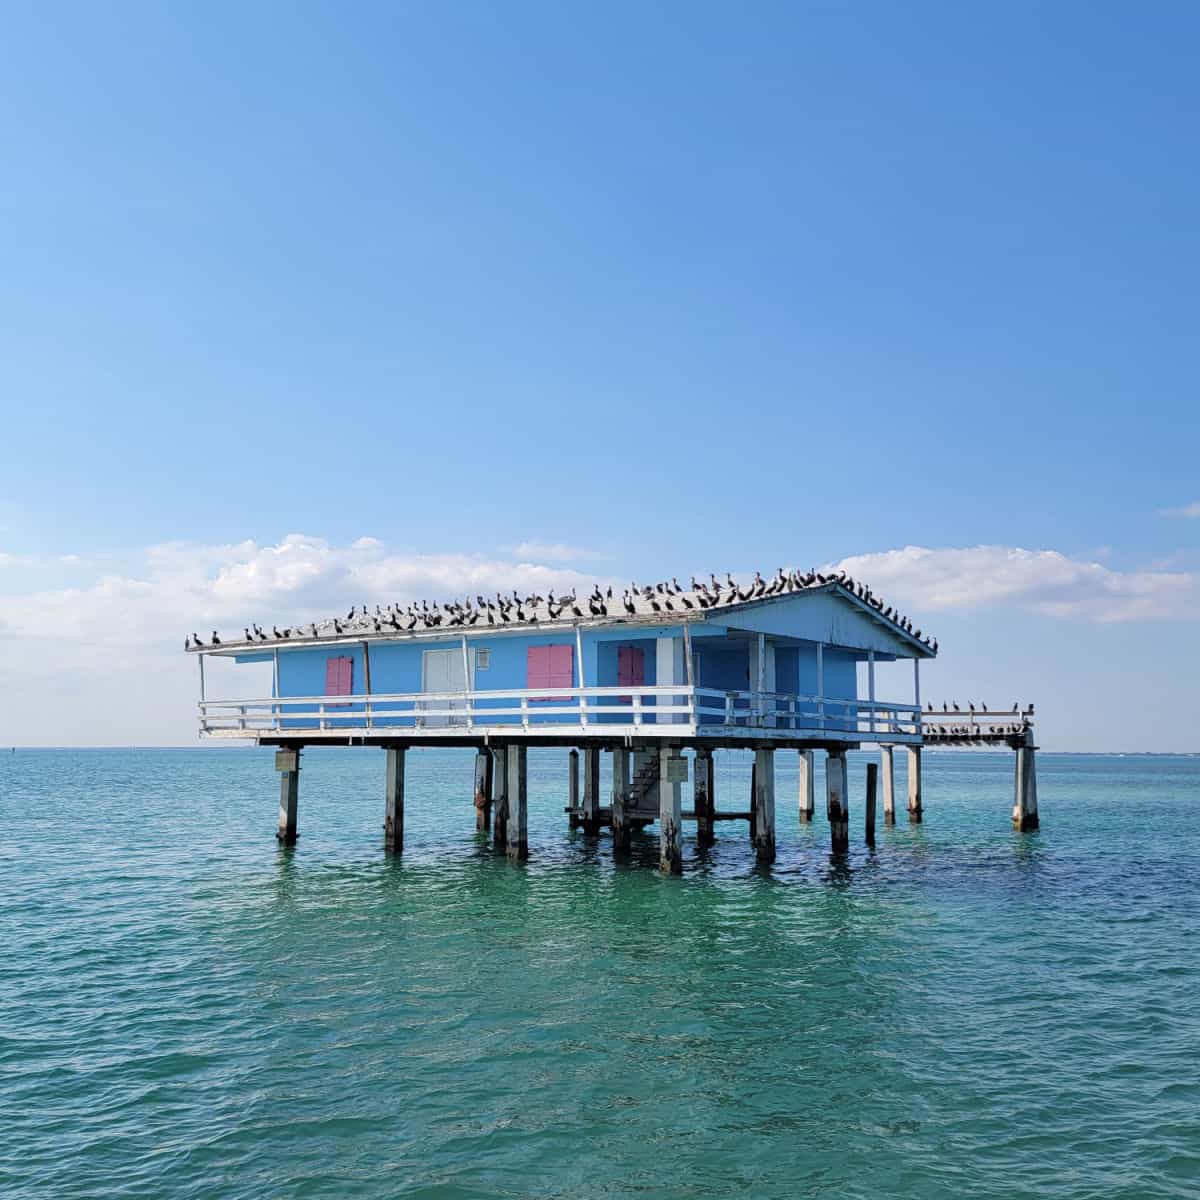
(975, 732)
(514, 609)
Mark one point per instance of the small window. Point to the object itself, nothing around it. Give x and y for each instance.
(483, 659)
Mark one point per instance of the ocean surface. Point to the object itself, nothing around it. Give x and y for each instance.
(188, 1010)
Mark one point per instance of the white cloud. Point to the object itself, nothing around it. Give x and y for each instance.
(1190, 511)
(105, 661)
(1043, 581)
(556, 552)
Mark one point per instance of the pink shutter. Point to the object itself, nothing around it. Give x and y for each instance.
(537, 667)
(339, 675)
(631, 668)
(562, 666)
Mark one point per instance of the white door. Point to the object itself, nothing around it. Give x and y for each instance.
(442, 671)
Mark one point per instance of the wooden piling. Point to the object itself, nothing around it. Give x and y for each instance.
(869, 807)
(1025, 809)
(620, 793)
(500, 801)
(518, 806)
(837, 805)
(753, 805)
(287, 763)
(886, 761)
(573, 818)
(807, 787)
(705, 797)
(393, 818)
(591, 791)
(914, 785)
(672, 773)
(483, 791)
(764, 805)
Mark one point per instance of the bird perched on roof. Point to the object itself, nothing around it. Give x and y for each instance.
(216, 641)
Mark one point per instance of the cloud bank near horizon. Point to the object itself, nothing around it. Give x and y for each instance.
(70, 650)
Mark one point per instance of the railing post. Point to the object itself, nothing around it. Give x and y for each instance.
(524, 712)
(637, 708)
(729, 708)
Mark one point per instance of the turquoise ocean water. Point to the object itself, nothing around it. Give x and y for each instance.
(187, 1010)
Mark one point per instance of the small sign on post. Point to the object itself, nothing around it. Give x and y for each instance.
(677, 769)
(285, 760)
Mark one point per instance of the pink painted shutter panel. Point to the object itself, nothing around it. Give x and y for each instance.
(562, 666)
(339, 675)
(537, 667)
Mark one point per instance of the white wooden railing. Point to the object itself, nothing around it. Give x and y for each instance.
(666, 711)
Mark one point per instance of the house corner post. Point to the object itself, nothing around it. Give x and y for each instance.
(1025, 808)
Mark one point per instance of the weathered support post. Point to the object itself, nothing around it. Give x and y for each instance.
(573, 789)
(837, 804)
(393, 804)
(591, 791)
(807, 791)
(886, 761)
(872, 777)
(620, 794)
(764, 805)
(914, 784)
(705, 797)
(483, 791)
(753, 806)
(518, 808)
(1025, 810)
(500, 804)
(672, 773)
(287, 763)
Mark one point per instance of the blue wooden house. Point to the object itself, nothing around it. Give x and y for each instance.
(644, 674)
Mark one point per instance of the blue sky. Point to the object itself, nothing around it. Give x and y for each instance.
(620, 290)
